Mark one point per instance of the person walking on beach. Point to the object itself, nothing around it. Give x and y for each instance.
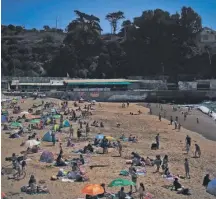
(187, 169)
(141, 191)
(197, 150)
(175, 123)
(157, 139)
(179, 126)
(197, 120)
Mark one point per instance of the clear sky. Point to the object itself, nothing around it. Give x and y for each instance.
(37, 13)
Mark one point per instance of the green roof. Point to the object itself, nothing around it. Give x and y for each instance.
(99, 83)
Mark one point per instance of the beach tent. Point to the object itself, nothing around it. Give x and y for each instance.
(47, 137)
(3, 118)
(99, 136)
(211, 188)
(66, 123)
(35, 121)
(16, 124)
(4, 112)
(47, 157)
(56, 116)
(31, 143)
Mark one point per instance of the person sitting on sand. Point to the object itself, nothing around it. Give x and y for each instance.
(102, 194)
(135, 155)
(60, 161)
(81, 159)
(121, 194)
(206, 180)
(101, 125)
(130, 138)
(149, 162)
(32, 184)
(88, 148)
(176, 184)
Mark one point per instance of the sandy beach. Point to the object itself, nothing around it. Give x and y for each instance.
(145, 127)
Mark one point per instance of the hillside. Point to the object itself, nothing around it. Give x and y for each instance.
(155, 43)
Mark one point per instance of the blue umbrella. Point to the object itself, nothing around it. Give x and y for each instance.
(99, 136)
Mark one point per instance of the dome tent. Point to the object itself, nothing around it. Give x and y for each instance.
(66, 123)
(47, 157)
(47, 137)
(211, 188)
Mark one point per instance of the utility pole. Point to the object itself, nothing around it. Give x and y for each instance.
(56, 23)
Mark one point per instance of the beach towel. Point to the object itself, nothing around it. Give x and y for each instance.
(67, 180)
(141, 171)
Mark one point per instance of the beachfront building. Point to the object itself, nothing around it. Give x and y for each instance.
(99, 84)
(206, 40)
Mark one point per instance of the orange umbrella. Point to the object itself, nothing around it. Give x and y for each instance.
(93, 189)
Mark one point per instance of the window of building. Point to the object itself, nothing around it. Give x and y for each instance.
(205, 37)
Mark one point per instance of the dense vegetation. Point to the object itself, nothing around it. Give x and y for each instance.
(154, 43)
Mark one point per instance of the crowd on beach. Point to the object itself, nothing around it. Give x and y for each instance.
(80, 115)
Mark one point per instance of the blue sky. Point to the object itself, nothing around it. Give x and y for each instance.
(36, 13)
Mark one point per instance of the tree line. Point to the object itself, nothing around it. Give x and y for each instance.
(155, 43)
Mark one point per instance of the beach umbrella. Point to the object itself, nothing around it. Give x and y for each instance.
(109, 138)
(93, 189)
(16, 124)
(31, 143)
(99, 136)
(24, 113)
(35, 121)
(56, 116)
(121, 182)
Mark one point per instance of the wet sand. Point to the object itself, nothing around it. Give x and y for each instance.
(206, 126)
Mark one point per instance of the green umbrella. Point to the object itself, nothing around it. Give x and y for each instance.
(16, 124)
(35, 121)
(56, 116)
(121, 182)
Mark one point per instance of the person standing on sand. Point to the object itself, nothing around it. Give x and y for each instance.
(157, 139)
(197, 120)
(53, 138)
(133, 179)
(159, 116)
(187, 169)
(197, 151)
(171, 120)
(188, 140)
(71, 131)
(119, 148)
(179, 126)
(141, 191)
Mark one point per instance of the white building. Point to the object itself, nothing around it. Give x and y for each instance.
(207, 39)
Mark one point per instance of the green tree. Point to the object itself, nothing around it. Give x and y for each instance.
(114, 18)
(46, 27)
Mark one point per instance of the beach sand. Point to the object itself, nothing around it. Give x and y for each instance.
(146, 128)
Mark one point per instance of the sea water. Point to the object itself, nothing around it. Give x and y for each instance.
(208, 106)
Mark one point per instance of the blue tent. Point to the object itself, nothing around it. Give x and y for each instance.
(66, 123)
(3, 118)
(100, 136)
(47, 137)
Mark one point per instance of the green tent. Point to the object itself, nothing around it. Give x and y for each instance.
(35, 121)
(16, 124)
(56, 116)
(121, 182)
